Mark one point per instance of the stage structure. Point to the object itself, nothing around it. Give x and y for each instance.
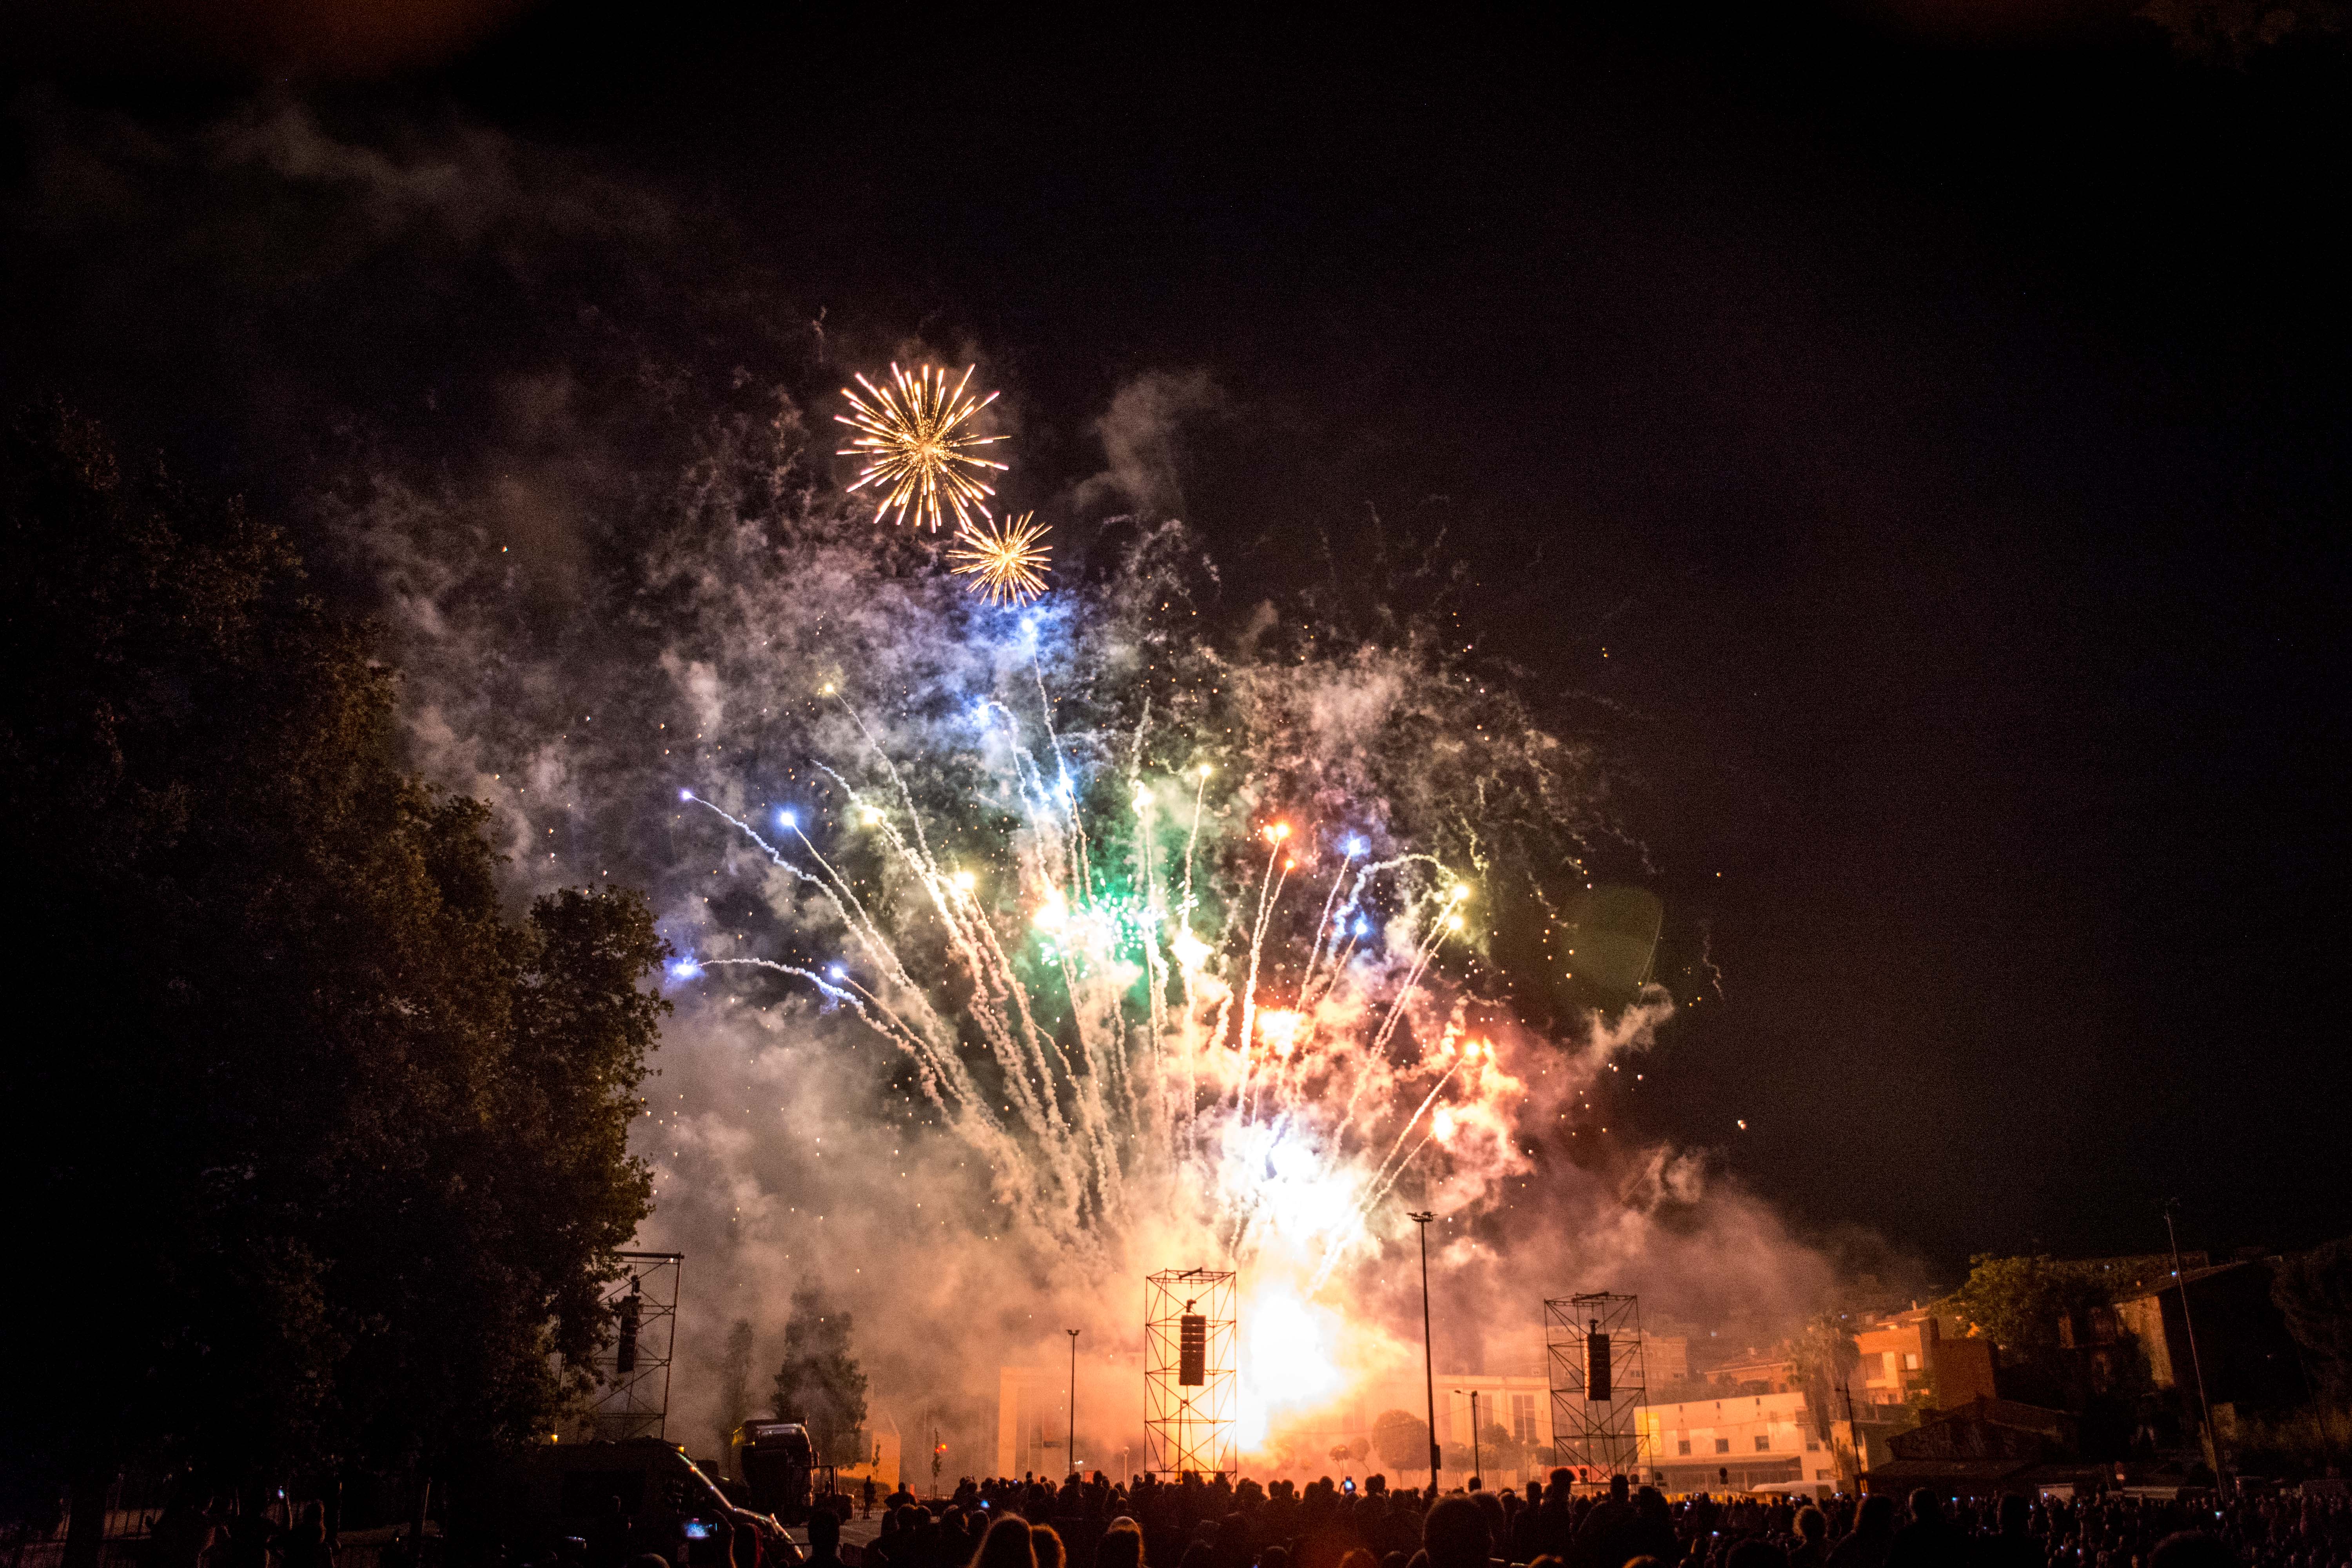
(1192, 1384)
(633, 1370)
(1592, 1347)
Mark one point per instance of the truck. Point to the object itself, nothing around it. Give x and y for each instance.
(779, 1470)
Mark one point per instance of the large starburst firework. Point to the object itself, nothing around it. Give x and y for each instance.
(913, 439)
(1005, 560)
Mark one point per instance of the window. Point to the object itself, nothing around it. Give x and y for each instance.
(1523, 1417)
(1813, 1445)
(1683, 1446)
(1763, 1442)
(1723, 1445)
(1911, 1361)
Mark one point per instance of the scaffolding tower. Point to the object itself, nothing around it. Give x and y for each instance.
(633, 1368)
(1593, 1349)
(1191, 1385)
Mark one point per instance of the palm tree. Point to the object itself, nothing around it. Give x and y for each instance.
(1824, 1356)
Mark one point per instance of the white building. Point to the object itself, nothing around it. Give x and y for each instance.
(1737, 1442)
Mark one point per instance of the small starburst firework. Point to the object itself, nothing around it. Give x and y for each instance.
(911, 434)
(1006, 561)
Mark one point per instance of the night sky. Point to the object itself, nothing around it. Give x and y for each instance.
(1917, 456)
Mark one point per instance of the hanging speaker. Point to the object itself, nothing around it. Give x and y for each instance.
(1192, 1350)
(626, 1360)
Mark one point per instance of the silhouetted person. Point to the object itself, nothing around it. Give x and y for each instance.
(182, 1533)
(1454, 1534)
(1874, 1532)
(745, 1549)
(1606, 1539)
(1006, 1545)
(1652, 1534)
(248, 1538)
(824, 1539)
(1926, 1541)
(1046, 1542)
(304, 1543)
(608, 1535)
(1121, 1545)
(1812, 1548)
(2013, 1543)
(1756, 1553)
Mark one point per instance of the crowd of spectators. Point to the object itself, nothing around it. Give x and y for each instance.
(1219, 1523)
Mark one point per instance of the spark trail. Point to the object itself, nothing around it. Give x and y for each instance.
(1098, 1012)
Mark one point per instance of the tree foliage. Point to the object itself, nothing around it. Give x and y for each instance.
(1825, 1357)
(2313, 1291)
(819, 1382)
(2024, 1303)
(2038, 1312)
(734, 1384)
(1403, 1439)
(325, 1149)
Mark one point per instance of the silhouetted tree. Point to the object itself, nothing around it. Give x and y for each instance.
(1825, 1357)
(734, 1384)
(819, 1382)
(323, 1151)
(1403, 1439)
(2038, 1312)
(2313, 1290)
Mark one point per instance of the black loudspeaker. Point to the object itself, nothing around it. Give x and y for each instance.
(626, 1360)
(1192, 1350)
(1596, 1367)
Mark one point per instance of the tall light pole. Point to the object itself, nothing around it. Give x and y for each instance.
(1071, 1453)
(1478, 1470)
(2213, 1441)
(1428, 1377)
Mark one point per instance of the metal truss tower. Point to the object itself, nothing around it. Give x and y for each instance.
(1592, 1351)
(633, 1370)
(1191, 1385)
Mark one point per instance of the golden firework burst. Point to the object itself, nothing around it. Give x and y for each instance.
(1005, 560)
(911, 434)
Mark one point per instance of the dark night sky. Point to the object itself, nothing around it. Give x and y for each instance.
(1919, 457)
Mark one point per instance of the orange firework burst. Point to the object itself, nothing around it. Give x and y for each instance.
(1006, 562)
(911, 434)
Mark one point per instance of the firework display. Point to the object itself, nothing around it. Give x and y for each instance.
(1005, 560)
(918, 453)
(1058, 938)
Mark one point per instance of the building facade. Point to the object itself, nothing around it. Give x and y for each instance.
(1737, 1442)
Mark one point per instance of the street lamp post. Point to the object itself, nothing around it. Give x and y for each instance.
(1478, 1470)
(2212, 1439)
(1071, 1453)
(1428, 1377)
